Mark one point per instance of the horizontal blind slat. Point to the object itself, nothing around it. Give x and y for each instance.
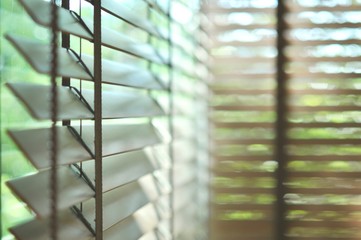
(243, 190)
(324, 191)
(298, 43)
(219, 28)
(318, 158)
(309, 24)
(35, 99)
(34, 190)
(240, 43)
(327, 224)
(71, 228)
(244, 227)
(329, 141)
(134, 196)
(116, 104)
(325, 207)
(117, 139)
(39, 11)
(113, 72)
(118, 10)
(325, 174)
(135, 226)
(213, 9)
(126, 167)
(318, 7)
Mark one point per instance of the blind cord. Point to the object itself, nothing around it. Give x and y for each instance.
(53, 135)
(98, 132)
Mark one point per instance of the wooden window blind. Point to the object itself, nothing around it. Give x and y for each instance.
(131, 142)
(284, 106)
(323, 146)
(243, 116)
(285, 120)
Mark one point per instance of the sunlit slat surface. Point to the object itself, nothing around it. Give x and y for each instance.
(126, 167)
(37, 53)
(134, 195)
(37, 229)
(139, 21)
(140, 223)
(118, 170)
(34, 190)
(39, 10)
(71, 149)
(75, 105)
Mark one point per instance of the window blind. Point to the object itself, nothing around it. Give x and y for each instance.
(307, 150)
(323, 149)
(243, 118)
(152, 157)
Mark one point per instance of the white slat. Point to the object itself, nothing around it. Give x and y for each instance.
(36, 99)
(116, 104)
(124, 168)
(38, 229)
(37, 54)
(134, 196)
(116, 139)
(135, 226)
(142, 22)
(39, 11)
(34, 190)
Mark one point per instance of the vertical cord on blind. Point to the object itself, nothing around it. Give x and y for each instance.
(280, 140)
(80, 89)
(53, 135)
(98, 121)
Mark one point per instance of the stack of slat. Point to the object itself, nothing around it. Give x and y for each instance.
(139, 118)
(190, 104)
(323, 169)
(242, 116)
